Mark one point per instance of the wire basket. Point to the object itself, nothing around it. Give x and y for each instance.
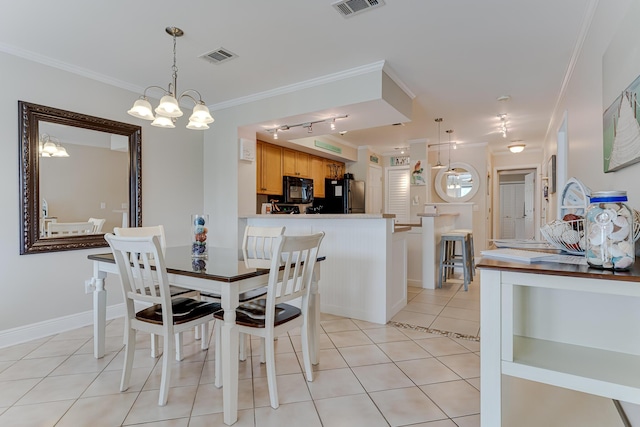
(568, 236)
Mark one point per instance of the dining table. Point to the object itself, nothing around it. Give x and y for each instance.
(223, 272)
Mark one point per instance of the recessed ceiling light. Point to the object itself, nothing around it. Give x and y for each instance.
(503, 98)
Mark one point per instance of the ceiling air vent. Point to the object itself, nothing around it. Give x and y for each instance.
(219, 56)
(349, 8)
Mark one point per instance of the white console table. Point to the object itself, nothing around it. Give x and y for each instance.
(564, 325)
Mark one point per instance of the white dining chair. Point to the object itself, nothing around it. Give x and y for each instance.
(166, 316)
(257, 249)
(176, 291)
(293, 260)
(98, 223)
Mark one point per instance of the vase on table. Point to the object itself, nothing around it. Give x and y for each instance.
(199, 230)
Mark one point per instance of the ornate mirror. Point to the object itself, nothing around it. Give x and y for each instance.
(76, 170)
(457, 184)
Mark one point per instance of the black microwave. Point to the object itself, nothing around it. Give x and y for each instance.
(297, 190)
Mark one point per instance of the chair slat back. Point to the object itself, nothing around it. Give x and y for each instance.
(258, 245)
(98, 223)
(135, 257)
(299, 255)
(154, 230)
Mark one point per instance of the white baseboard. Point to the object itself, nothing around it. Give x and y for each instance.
(50, 327)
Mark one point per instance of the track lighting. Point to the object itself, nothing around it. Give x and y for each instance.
(308, 125)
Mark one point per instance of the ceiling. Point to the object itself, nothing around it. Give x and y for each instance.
(456, 57)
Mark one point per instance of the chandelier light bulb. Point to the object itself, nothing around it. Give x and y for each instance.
(142, 109)
(163, 122)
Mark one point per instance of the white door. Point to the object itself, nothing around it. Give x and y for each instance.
(373, 199)
(529, 210)
(507, 212)
(397, 194)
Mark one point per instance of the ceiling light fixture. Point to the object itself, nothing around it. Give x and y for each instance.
(308, 125)
(449, 170)
(49, 146)
(518, 147)
(503, 124)
(169, 110)
(438, 164)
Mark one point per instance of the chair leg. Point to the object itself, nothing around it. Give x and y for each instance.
(166, 369)
(204, 344)
(263, 350)
(129, 351)
(306, 357)
(243, 347)
(198, 333)
(154, 346)
(269, 349)
(217, 330)
(179, 352)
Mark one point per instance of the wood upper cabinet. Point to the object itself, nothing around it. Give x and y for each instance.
(333, 169)
(268, 168)
(318, 175)
(295, 163)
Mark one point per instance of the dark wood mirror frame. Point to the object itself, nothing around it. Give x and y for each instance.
(30, 116)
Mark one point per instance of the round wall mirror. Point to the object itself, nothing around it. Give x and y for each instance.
(457, 184)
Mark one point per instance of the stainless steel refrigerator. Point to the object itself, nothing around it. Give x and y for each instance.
(344, 196)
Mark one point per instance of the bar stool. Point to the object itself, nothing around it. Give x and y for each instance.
(471, 249)
(449, 260)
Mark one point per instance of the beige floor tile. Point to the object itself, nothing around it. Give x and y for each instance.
(367, 325)
(466, 365)
(56, 348)
(329, 358)
(474, 382)
(470, 421)
(387, 334)
(442, 346)
(208, 398)
(327, 316)
(182, 374)
(406, 406)
(111, 344)
(146, 409)
(141, 359)
(85, 333)
(349, 338)
(286, 363)
(455, 398)
(324, 342)
(413, 318)
(83, 364)
(334, 383)
(427, 371)
(108, 382)
(465, 327)
(53, 389)
(291, 388)
(429, 298)
(352, 411)
(338, 325)
(208, 371)
(470, 344)
(468, 304)
(281, 345)
(381, 377)
(424, 308)
(300, 413)
(364, 355)
(403, 350)
(178, 422)
(416, 334)
(245, 419)
(41, 414)
(461, 313)
(104, 411)
(440, 423)
(31, 368)
(5, 365)
(17, 352)
(12, 391)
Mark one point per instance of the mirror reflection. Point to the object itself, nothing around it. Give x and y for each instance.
(80, 177)
(458, 183)
(75, 198)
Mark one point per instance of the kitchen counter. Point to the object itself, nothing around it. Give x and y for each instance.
(364, 275)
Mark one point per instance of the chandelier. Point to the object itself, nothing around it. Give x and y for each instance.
(168, 110)
(49, 146)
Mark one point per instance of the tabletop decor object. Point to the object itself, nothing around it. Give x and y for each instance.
(199, 235)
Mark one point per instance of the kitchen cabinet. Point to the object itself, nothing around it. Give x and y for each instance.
(295, 163)
(333, 169)
(268, 168)
(318, 175)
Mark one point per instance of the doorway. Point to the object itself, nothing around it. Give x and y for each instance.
(516, 206)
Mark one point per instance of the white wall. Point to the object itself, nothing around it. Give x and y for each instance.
(41, 287)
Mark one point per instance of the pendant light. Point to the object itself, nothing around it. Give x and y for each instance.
(449, 170)
(169, 109)
(438, 164)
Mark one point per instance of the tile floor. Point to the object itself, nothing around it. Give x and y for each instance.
(369, 375)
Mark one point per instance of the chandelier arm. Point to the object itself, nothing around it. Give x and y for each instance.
(144, 95)
(185, 94)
